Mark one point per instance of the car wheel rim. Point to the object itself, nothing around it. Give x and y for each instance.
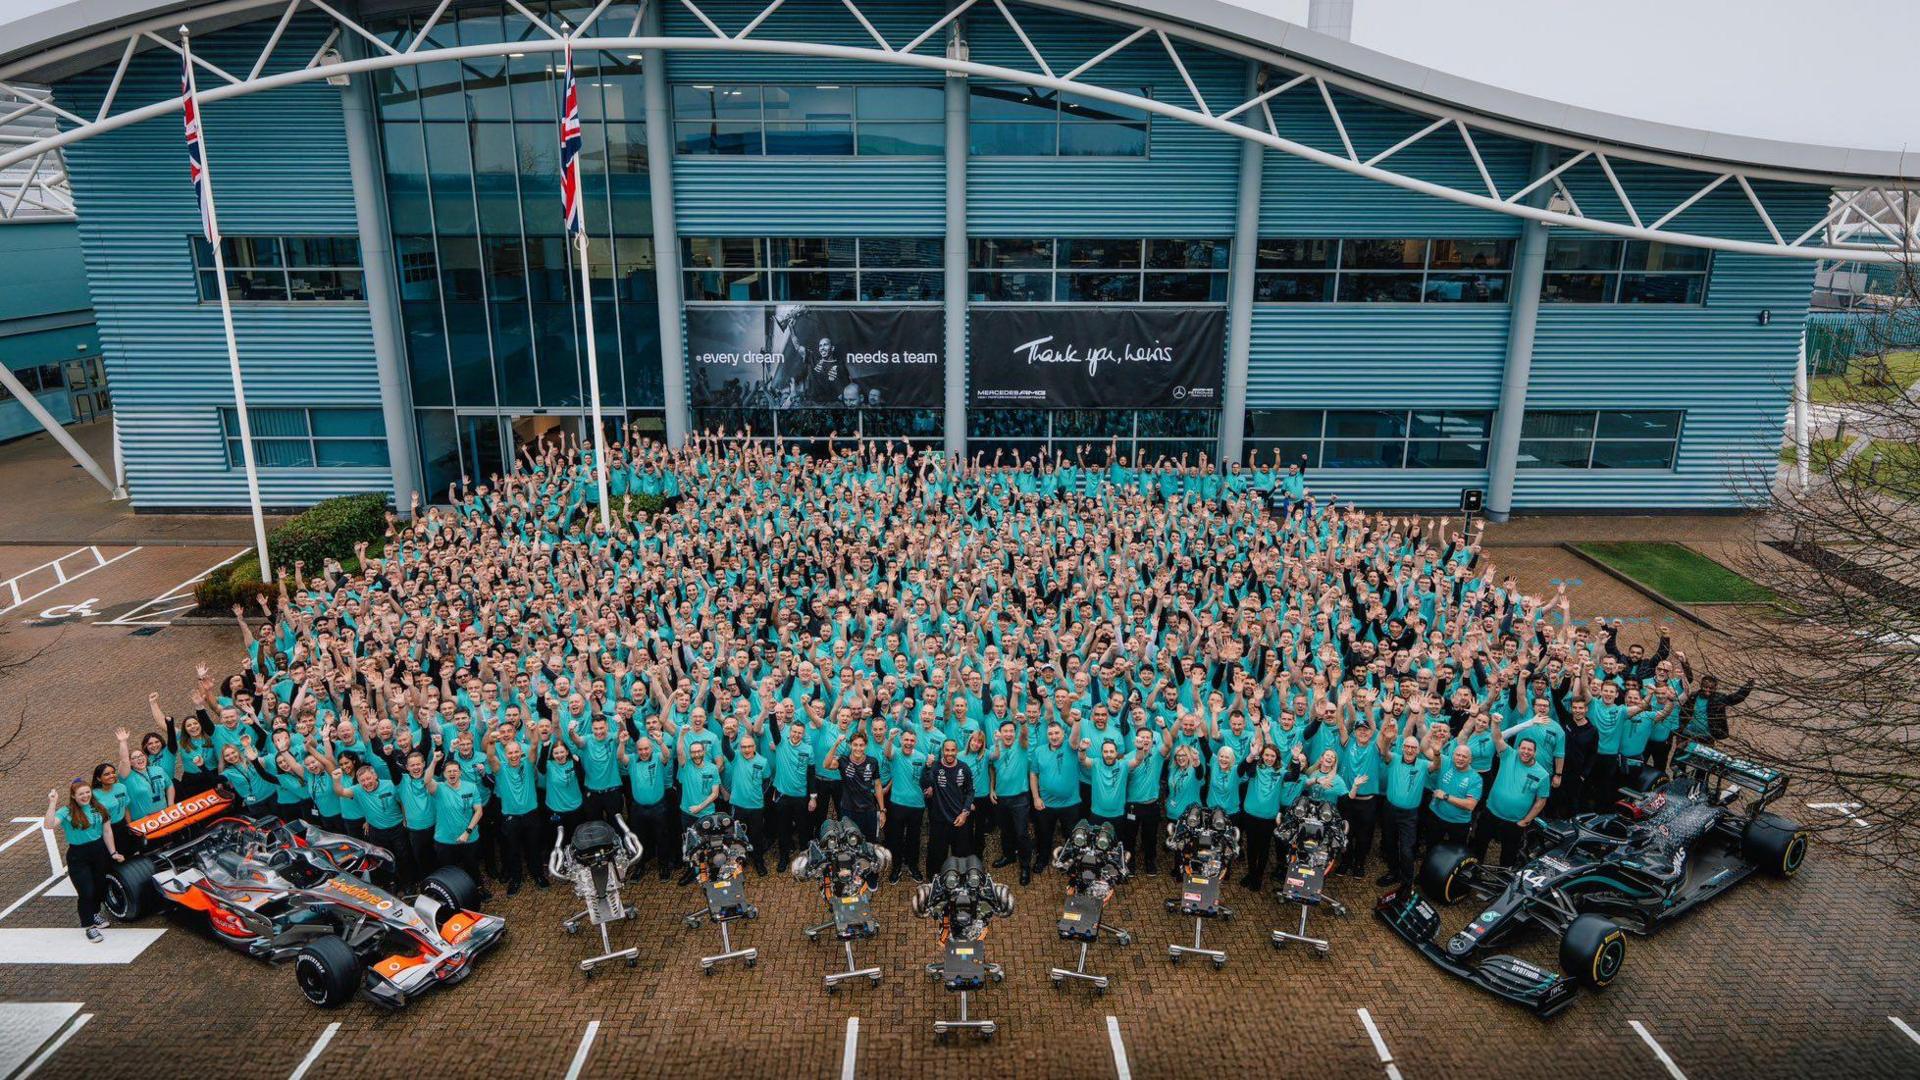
(312, 978)
(116, 898)
(1607, 964)
(1796, 854)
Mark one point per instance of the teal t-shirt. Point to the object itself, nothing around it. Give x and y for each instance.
(1010, 769)
(747, 781)
(415, 803)
(696, 783)
(517, 787)
(903, 778)
(1516, 787)
(648, 779)
(1059, 774)
(1108, 783)
(1407, 782)
(1459, 783)
(563, 786)
(381, 806)
(1143, 778)
(91, 832)
(453, 806)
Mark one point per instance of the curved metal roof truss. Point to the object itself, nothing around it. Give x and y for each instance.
(1849, 230)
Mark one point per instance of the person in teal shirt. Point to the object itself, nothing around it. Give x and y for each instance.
(748, 773)
(1141, 831)
(1266, 778)
(148, 782)
(1223, 783)
(1183, 781)
(1456, 791)
(1520, 791)
(1012, 797)
(1056, 792)
(91, 851)
(699, 780)
(1107, 781)
(794, 797)
(561, 771)
(649, 768)
(1406, 787)
(522, 831)
(457, 809)
(906, 803)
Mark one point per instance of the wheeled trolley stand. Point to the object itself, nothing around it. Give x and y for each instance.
(852, 921)
(1080, 921)
(1305, 885)
(726, 901)
(1200, 898)
(596, 862)
(964, 971)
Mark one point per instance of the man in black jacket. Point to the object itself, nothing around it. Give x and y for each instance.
(1635, 663)
(949, 793)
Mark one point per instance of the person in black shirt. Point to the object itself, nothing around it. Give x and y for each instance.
(859, 778)
(949, 792)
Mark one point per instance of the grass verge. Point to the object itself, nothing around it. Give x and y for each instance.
(1677, 572)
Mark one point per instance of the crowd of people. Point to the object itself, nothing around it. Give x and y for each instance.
(960, 658)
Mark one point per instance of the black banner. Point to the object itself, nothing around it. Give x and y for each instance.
(789, 356)
(1097, 358)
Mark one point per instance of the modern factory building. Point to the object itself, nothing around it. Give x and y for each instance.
(1234, 237)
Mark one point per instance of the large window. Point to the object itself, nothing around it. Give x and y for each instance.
(1140, 435)
(1024, 121)
(824, 120)
(790, 268)
(1109, 271)
(37, 380)
(282, 269)
(1599, 439)
(808, 428)
(1367, 438)
(1296, 270)
(1596, 270)
(309, 438)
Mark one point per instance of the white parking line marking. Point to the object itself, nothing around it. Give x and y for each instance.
(852, 1047)
(1120, 1066)
(101, 562)
(586, 1047)
(1844, 809)
(1379, 1045)
(1647, 1037)
(69, 945)
(26, 1026)
(12, 584)
(61, 885)
(313, 1055)
(21, 835)
(151, 612)
(1904, 1029)
(31, 893)
(72, 1029)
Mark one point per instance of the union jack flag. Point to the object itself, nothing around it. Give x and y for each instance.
(196, 151)
(570, 156)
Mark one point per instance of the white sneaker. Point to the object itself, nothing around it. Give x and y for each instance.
(100, 920)
(94, 935)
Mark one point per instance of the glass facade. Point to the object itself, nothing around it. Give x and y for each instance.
(489, 285)
(1368, 438)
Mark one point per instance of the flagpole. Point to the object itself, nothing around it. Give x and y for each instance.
(568, 109)
(226, 323)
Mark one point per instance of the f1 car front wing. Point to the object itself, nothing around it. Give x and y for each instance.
(1412, 917)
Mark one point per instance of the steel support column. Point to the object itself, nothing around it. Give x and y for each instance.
(954, 257)
(1246, 245)
(666, 231)
(1802, 442)
(1530, 262)
(383, 288)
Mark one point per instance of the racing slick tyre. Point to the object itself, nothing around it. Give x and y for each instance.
(1593, 950)
(328, 972)
(452, 887)
(1444, 873)
(1775, 845)
(1645, 778)
(130, 891)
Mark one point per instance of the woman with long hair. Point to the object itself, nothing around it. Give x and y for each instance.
(90, 849)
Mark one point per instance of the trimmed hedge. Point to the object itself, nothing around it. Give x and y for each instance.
(329, 530)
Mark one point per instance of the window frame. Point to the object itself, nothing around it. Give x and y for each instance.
(283, 270)
(1320, 424)
(1594, 440)
(857, 272)
(1061, 276)
(1059, 123)
(1343, 278)
(229, 420)
(853, 122)
(1613, 279)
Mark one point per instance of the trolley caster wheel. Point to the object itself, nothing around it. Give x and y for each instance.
(811, 936)
(1100, 989)
(1124, 939)
(1173, 958)
(753, 913)
(997, 976)
(706, 969)
(587, 972)
(832, 989)
(986, 1034)
(1171, 904)
(1055, 980)
(940, 1036)
(633, 961)
(753, 961)
(1218, 964)
(873, 980)
(571, 928)
(1277, 944)
(691, 924)
(1322, 952)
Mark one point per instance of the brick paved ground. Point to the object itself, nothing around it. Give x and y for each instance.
(1774, 980)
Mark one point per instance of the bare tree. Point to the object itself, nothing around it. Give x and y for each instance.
(13, 741)
(1837, 666)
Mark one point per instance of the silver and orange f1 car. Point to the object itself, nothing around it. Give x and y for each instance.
(287, 891)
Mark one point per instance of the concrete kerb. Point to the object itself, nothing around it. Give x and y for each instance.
(1647, 591)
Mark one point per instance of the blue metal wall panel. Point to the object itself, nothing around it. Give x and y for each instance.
(16, 421)
(280, 167)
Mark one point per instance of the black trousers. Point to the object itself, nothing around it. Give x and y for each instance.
(425, 858)
(522, 847)
(1603, 782)
(755, 819)
(788, 821)
(867, 821)
(1012, 814)
(657, 842)
(394, 839)
(1045, 823)
(903, 836)
(605, 804)
(465, 856)
(1141, 834)
(944, 838)
(1258, 834)
(1403, 833)
(87, 868)
(1362, 815)
(828, 802)
(980, 825)
(1511, 835)
(193, 783)
(1441, 831)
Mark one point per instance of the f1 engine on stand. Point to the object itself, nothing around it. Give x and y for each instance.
(596, 861)
(848, 868)
(1206, 842)
(965, 899)
(716, 848)
(1313, 836)
(1094, 863)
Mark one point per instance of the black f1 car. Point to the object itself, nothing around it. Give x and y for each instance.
(1591, 879)
(287, 891)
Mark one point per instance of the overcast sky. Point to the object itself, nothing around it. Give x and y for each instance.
(1834, 72)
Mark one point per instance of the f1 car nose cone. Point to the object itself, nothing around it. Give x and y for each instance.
(1461, 944)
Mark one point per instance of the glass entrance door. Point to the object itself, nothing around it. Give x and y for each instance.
(481, 450)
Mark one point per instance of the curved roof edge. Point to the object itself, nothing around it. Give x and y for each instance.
(67, 20)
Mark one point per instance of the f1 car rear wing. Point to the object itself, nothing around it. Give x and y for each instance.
(1706, 762)
(184, 814)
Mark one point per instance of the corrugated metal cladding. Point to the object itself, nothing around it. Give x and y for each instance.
(280, 166)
